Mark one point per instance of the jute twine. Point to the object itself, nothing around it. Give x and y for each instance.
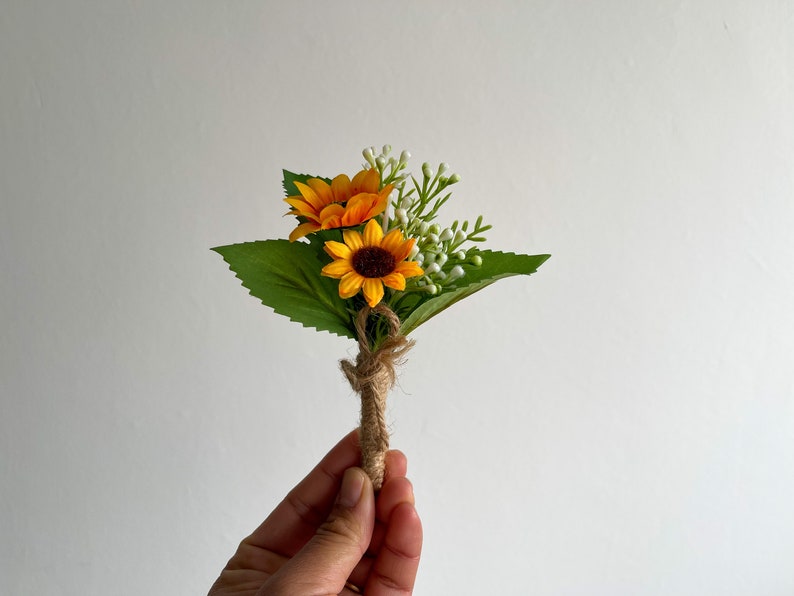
(372, 375)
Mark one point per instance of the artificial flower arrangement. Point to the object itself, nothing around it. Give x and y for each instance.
(368, 261)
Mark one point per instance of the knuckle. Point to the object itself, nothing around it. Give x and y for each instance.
(393, 584)
(340, 528)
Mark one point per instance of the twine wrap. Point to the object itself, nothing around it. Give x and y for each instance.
(372, 375)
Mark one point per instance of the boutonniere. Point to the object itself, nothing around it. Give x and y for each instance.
(369, 261)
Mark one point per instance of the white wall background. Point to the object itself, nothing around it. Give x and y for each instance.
(620, 424)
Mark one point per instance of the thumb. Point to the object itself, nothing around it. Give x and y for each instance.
(325, 563)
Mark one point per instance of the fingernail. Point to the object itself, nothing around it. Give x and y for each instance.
(352, 485)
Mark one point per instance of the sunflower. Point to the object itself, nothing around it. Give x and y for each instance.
(341, 204)
(370, 261)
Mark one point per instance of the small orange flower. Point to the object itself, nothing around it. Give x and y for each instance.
(341, 204)
(370, 262)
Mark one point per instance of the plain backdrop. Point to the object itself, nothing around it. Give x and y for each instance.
(619, 424)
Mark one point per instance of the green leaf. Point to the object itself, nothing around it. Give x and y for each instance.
(290, 178)
(286, 277)
(495, 266)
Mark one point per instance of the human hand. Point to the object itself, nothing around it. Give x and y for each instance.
(332, 535)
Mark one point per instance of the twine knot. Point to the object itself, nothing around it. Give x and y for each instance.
(372, 375)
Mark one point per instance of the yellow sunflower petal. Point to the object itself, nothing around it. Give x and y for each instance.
(331, 223)
(402, 252)
(393, 242)
(340, 188)
(338, 269)
(408, 269)
(371, 181)
(373, 233)
(301, 206)
(383, 195)
(353, 211)
(310, 196)
(302, 230)
(334, 210)
(353, 239)
(376, 207)
(365, 181)
(350, 284)
(360, 208)
(309, 216)
(373, 291)
(322, 189)
(394, 280)
(337, 250)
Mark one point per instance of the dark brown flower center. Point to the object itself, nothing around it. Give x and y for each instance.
(373, 261)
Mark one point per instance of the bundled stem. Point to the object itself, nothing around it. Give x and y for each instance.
(372, 375)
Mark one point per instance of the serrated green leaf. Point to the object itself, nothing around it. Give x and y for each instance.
(286, 277)
(290, 178)
(495, 266)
